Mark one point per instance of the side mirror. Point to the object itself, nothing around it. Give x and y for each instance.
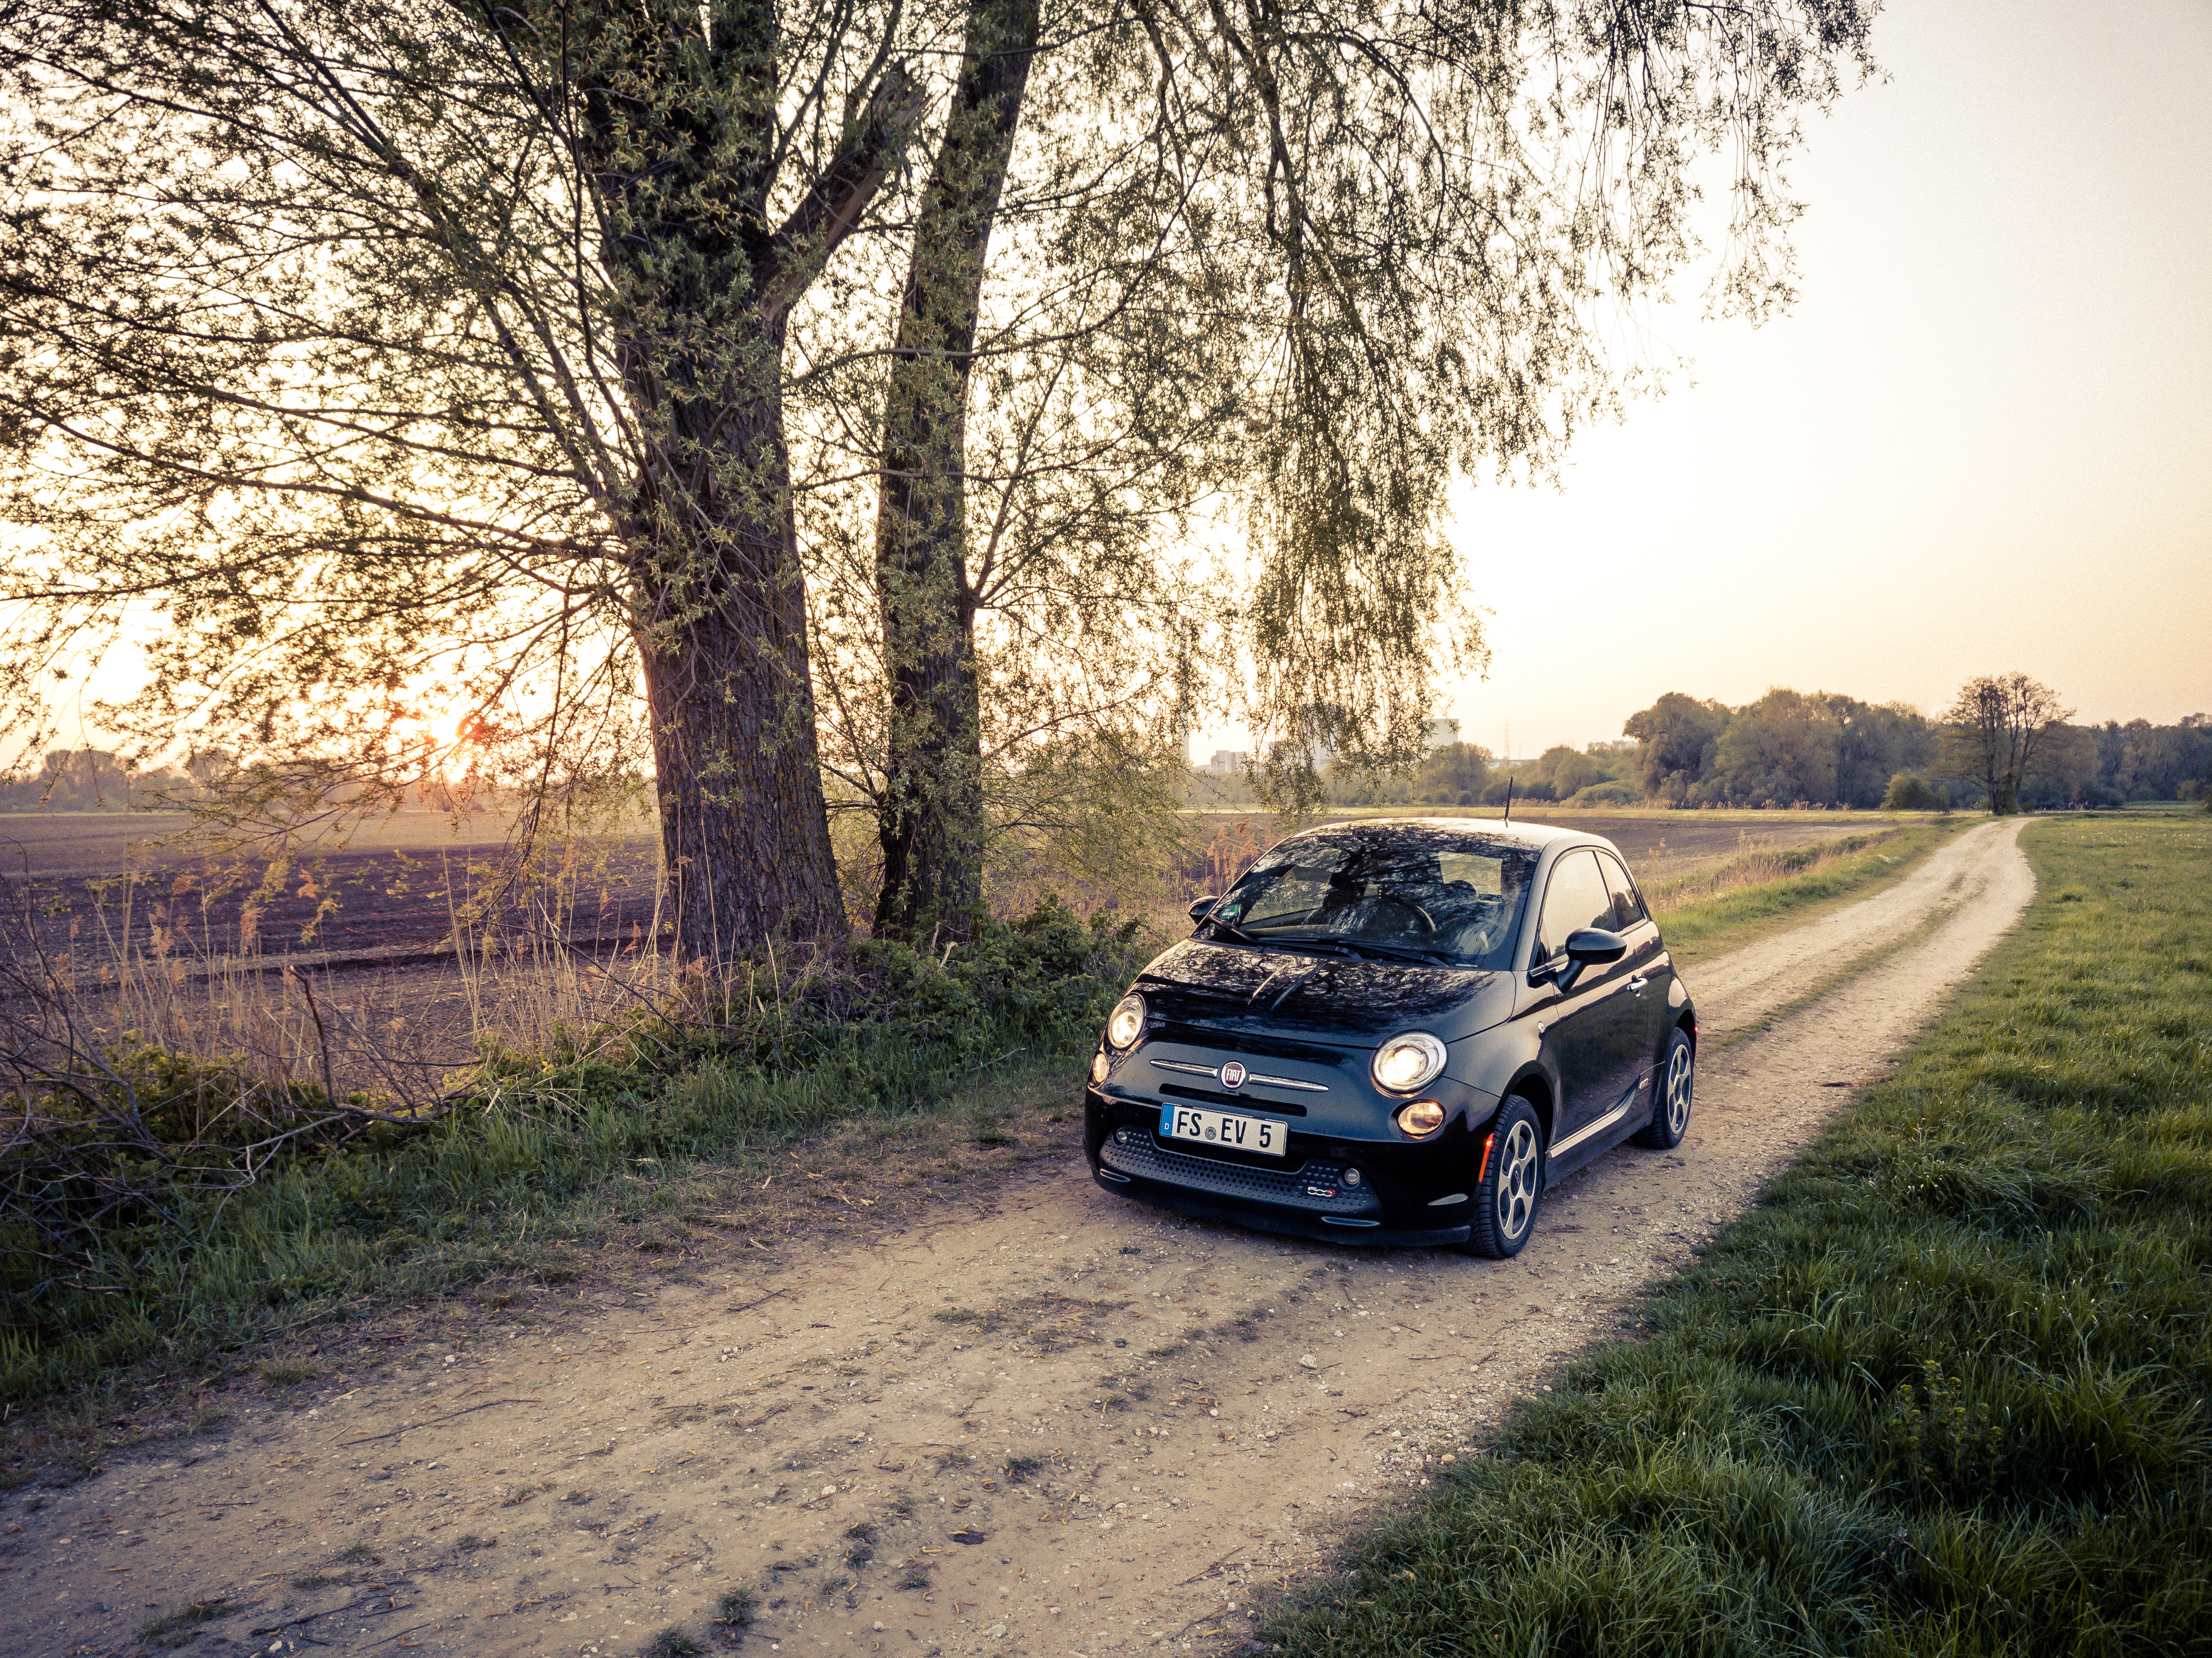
(1200, 905)
(1587, 946)
(1591, 945)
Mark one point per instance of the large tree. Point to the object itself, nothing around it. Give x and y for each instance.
(931, 824)
(382, 366)
(1315, 260)
(1675, 737)
(500, 359)
(2000, 731)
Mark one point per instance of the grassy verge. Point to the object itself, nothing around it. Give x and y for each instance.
(1943, 1392)
(549, 1162)
(1710, 913)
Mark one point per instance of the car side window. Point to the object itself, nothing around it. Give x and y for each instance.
(1628, 910)
(1575, 898)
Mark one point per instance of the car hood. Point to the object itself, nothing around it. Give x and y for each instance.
(1331, 998)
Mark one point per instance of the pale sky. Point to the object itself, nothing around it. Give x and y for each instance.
(1981, 440)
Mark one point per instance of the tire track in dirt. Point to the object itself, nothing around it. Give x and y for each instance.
(1056, 1425)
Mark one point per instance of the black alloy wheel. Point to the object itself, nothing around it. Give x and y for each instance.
(1670, 1112)
(1511, 1186)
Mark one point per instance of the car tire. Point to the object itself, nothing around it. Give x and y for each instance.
(1670, 1110)
(1511, 1186)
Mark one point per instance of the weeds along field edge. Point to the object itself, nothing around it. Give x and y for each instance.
(1943, 1391)
(525, 1160)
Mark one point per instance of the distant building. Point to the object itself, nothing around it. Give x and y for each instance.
(1437, 734)
(1225, 761)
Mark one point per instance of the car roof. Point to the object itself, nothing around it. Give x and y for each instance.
(1537, 837)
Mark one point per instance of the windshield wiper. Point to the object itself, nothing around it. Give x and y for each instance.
(1364, 946)
(1403, 952)
(1235, 932)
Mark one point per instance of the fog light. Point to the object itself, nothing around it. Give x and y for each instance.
(1421, 1117)
(1352, 1177)
(1099, 1065)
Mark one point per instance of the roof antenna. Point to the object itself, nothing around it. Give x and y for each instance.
(1508, 798)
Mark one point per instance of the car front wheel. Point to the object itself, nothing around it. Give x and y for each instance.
(1511, 1186)
(1670, 1112)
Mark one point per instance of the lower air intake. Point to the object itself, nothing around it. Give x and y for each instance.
(1318, 1189)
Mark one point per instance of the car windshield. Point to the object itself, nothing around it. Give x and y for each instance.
(1411, 894)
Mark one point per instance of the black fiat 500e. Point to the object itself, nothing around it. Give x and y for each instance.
(1399, 1032)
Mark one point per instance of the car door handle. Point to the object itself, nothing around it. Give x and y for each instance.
(1636, 986)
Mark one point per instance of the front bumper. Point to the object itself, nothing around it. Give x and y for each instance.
(1403, 1195)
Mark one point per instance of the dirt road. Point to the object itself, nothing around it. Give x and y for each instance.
(1055, 1424)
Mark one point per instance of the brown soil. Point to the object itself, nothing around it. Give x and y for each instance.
(1053, 1423)
(390, 891)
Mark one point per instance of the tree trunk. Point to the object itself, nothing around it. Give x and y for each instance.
(679, 145)
(931, 821)
(743, 830)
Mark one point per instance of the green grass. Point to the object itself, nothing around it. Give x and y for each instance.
(551, 1156)
(1790, 888)
(182, 1628)
(1944, 1391)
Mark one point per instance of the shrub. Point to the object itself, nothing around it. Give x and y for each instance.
(1605, 794)
(1908, 793)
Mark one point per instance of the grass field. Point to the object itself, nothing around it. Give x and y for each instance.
(1944, 1391)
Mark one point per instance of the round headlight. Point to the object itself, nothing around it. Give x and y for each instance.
(1407, 1062)
(1127, 1022)
(1422, 1117)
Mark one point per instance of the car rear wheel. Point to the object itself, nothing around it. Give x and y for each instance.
(1511, 1186)
(1670, 1112)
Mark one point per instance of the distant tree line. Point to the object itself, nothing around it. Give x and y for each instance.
(2142, 761)
(2004, 742)
(99, 780)
(1818, 748)
(1466, 775)
(1789, 748)
(95, 780)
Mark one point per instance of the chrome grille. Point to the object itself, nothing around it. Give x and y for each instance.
(1212, 1071)
(1236, 1101)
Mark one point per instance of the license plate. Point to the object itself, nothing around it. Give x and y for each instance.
(1260, 1134)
